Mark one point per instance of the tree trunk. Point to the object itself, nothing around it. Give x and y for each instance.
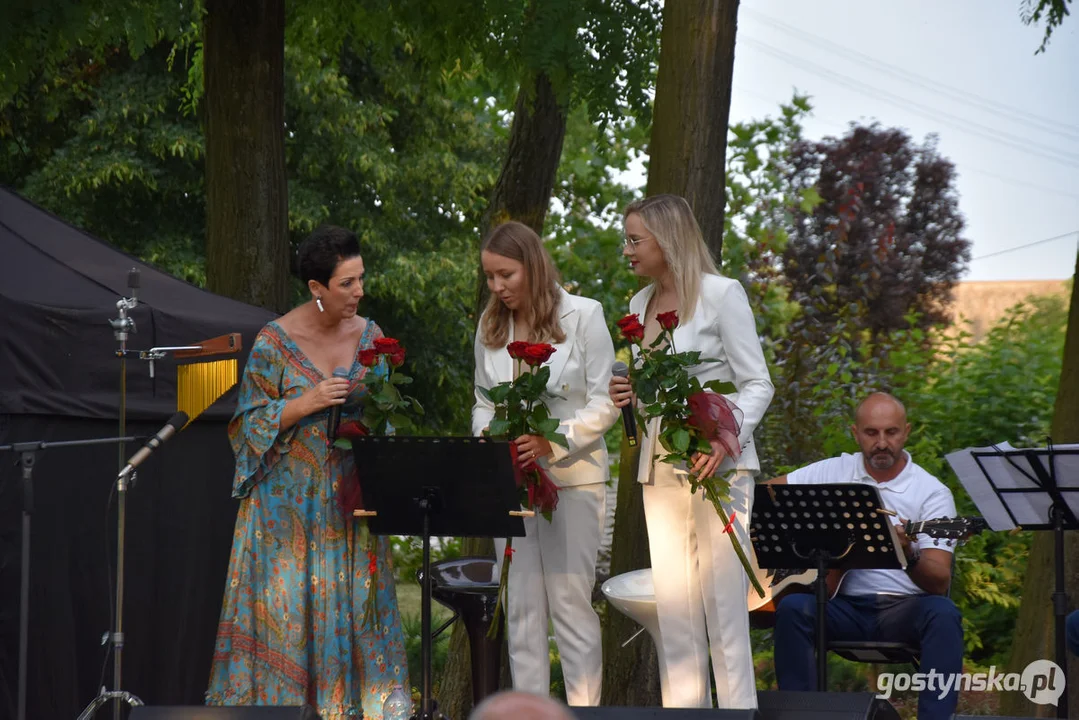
(522, 193)
(524, 186)
(688, 153)
(630, 674)
(247, 250)
(1035, 632)
(687, 157)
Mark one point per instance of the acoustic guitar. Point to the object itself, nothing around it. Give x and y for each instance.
(778, 583)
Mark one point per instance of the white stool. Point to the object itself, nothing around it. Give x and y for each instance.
(633, 594)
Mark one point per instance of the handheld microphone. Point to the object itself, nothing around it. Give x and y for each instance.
(629, 421)
(174, 425)
(335, 410)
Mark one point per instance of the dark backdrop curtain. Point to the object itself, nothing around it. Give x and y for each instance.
(180, 518)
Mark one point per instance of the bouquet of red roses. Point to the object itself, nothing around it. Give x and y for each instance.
(520, 410)
(693, 418)
(383, 411)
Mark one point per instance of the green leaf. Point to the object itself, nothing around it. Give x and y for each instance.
(498, 393)
(499, 428)
(557, 439)
(680, 440)
(721, 387)
(810, 199)
(548, 426)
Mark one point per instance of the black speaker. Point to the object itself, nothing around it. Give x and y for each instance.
(615, 712)
(777, 705)
(198, 712)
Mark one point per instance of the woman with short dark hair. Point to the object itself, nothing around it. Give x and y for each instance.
(291, 626)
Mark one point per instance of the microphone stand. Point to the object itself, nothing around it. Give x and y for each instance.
(27, 452)
(122, 326)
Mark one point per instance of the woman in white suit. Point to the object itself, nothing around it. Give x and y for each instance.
(553, 568)
(700, 586)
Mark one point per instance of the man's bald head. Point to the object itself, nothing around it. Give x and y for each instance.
(877, 403)
(512, 705)
(881, 430)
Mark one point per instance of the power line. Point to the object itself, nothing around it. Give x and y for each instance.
(1024, 183)
(937, 115)
(1023, 247)
(832, 122)
(921, 81)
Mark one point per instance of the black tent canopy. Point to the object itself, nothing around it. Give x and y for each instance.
(60, 380)
(58, 291)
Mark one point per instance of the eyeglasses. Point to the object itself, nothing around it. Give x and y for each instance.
(634, 242)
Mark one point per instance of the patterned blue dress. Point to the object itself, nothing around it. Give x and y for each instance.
(291, 624)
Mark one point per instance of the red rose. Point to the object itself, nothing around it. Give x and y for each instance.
(397, 359)
(387, 346)
(372, 563)
(537, 354)
(631, 328)
(668, 320)
(369, 357)
(351, 429)
(517, 349)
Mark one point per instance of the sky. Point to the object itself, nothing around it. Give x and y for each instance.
(965, 70)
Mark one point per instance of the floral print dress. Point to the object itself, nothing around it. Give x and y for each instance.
(291, 624)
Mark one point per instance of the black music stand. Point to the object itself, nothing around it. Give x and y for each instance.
(830, 526)
(27, 452)
(1031, 489)
(427, 486)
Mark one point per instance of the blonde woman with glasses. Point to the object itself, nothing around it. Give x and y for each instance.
(701, 588)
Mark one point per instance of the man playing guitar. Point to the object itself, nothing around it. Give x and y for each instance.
(908, 606)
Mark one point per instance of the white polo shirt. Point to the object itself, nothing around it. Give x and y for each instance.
(914, 494)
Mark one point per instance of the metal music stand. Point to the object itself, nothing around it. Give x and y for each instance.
(426, 486)
(1028, 489)
(27, 452)
(842, 526)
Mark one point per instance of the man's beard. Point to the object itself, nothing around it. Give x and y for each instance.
(883, 459)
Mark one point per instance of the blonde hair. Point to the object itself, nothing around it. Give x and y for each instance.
(519, 242)
(670, 219)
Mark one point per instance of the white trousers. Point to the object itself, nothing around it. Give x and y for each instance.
(552, 574)
(700, 586)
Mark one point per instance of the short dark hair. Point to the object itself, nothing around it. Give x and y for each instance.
(323, 250)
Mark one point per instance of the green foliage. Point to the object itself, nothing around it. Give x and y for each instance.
(113, 148)
(1052, 11)
(412, 627)
(520, 408)
(408, 555)
(385, 408)
(957, 395)
(106, 147)
(37, 39)
(585, 220)
(759, 211)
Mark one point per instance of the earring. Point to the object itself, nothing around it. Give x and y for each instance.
(318, 301)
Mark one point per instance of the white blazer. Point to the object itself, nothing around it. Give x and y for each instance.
(580, 373)
(723, 328)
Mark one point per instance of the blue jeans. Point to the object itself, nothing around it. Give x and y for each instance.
(931, 622)
(1071, 632)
